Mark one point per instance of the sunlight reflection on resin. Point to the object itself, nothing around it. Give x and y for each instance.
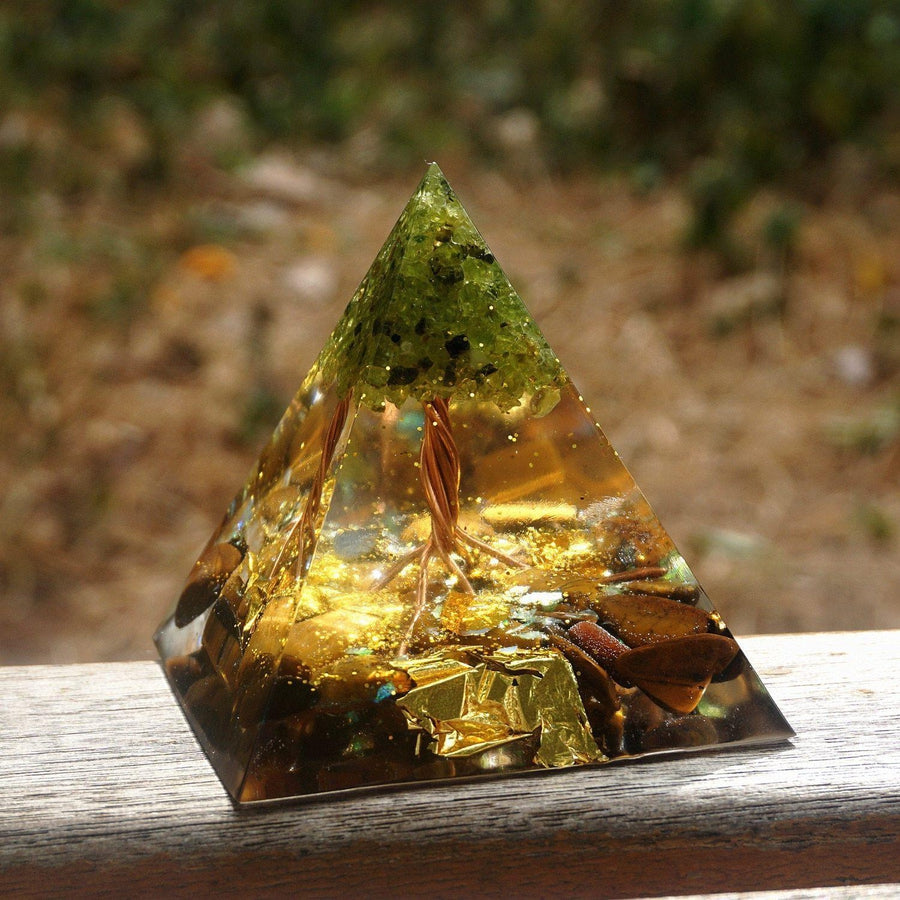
(439, 567)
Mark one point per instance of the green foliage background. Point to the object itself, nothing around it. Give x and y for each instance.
(764, 87)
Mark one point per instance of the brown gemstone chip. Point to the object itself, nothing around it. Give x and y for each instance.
(633, 575)
(677, 672)
(603, 689)
(640, 619)
(210, 572)
(683, 593)
(598, 642)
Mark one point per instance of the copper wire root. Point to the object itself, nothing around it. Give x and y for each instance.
(305, 527)
(439, 472)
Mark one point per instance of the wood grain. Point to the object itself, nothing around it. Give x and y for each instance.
(839, 892)
(105, 792)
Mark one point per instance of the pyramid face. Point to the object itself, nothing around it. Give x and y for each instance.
(439, 567)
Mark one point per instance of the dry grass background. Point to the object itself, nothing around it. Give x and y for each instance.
(150, 340)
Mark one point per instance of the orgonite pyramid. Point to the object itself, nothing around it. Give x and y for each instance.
(439, 567)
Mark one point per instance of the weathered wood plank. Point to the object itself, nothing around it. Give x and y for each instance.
(105, 789)
(842, 892)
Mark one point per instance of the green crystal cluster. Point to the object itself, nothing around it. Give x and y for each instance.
(436, 316)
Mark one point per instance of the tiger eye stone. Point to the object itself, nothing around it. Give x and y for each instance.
(210, 572)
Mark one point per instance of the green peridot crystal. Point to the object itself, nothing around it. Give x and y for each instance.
(436, 316)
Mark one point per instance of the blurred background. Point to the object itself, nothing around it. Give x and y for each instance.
(698, 200)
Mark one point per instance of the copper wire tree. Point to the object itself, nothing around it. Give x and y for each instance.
(436, 319)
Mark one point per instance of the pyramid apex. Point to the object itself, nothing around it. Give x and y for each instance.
(436, 317)
(434, 190)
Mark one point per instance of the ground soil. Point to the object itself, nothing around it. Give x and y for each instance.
(756, 404)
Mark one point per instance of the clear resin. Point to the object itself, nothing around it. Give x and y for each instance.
(440, 567)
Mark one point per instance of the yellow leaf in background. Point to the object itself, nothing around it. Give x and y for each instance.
(209, 262)
(870, 274)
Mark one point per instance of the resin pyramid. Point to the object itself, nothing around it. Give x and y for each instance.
(439, 567)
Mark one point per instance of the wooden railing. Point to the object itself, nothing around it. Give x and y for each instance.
(105, 792)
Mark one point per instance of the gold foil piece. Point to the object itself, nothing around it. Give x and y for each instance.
(508, 696)
(464, 613)
(326, 638)
(510, 515)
